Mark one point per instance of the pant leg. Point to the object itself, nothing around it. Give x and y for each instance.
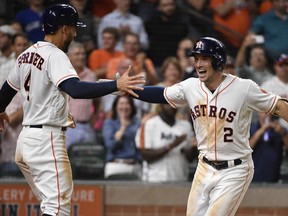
(47, 169)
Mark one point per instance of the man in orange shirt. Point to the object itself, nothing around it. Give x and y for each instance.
(99, 58)
(141, 64)
(234, 18)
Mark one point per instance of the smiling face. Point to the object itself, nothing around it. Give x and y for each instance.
(206, 73)
(123, 107)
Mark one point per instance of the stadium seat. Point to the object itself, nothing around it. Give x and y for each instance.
(87, 160)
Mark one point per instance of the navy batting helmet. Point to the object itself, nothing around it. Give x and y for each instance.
(58, 15)
(212, 47)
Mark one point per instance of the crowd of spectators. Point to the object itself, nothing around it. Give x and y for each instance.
(154, 36)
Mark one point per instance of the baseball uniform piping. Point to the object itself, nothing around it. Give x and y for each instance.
(272, 106)
(13, 86)
(207, 117)
(215, 124)
(64, 78)
(168, 100)
(57, 176)
(246, 182)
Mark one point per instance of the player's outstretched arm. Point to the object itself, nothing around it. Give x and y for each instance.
(152, 94)
(87, 90)
(282, 109)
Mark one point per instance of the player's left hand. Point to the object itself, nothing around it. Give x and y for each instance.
(127, 83)
(3, 117)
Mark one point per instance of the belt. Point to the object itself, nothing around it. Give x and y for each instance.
(41, 126)
(219, 165)
(125, 161)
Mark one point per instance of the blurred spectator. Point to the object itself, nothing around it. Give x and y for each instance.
(99, 58)
(7, 56)
(273, 26)
(119, 137)
(146, 9)
(185, 45)
(8, 167)
(81, 109)
(263, 6)
(125, 22)
(87, 35)
(233, 19)
(100, 8)
(267, 141)
(17, 27)
(278, 84)
(200, 17)
(31, 20)
(270, 136)
(141, 64)
(20, 43)
(230, 66)
(166, 146)
(251, 61)
(172, 73)
(165, 30)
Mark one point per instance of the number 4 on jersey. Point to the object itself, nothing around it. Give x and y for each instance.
(27, 84)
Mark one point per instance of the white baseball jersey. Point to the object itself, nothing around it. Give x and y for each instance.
(158, 134)
(222, 119)
(37, 74)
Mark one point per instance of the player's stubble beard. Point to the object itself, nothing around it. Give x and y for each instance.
(67, 42)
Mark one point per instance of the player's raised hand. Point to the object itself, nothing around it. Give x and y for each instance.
(127, 83)
(3, 117)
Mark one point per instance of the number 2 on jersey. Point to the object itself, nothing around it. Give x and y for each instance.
(228, 132)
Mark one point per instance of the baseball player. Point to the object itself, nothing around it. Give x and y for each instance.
(221, 107)
(45, 78)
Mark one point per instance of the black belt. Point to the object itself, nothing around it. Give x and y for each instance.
(219, 165)
(41, 126)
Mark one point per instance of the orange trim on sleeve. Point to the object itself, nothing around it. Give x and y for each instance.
(66, 77)
(168, 100)
(13, 86)
(273, 104)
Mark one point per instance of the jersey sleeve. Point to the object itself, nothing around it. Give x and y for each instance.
(260, 100)
(60, 68)
(175, 95)
(13, 78)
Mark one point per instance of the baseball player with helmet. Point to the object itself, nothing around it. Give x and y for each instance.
(221, 107)
(45, 77)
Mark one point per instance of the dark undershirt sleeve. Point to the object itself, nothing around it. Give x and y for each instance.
(152, 94)
(87, 90)
(6, 95)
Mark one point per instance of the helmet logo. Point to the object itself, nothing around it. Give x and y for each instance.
(200, 45)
